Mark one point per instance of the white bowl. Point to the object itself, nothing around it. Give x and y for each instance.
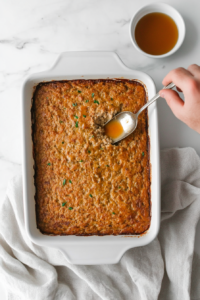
(161, 8)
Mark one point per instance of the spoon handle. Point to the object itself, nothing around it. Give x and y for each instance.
(169, 86)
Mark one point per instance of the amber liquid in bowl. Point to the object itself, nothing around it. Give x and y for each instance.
(156, 33)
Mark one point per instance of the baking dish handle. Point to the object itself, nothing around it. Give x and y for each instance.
(101, 254)
(100, 61)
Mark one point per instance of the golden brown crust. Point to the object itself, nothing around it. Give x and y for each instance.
(85, 185)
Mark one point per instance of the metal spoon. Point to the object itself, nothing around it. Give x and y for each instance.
(129, 120)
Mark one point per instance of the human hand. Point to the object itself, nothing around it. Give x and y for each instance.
(188, 82)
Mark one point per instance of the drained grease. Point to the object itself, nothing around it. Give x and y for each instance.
(156, 33)
(114, 129)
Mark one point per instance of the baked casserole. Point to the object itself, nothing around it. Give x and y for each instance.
(85, 185)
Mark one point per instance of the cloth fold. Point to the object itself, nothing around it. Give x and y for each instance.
(166, 269)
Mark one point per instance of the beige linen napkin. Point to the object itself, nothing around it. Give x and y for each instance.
(166, 269)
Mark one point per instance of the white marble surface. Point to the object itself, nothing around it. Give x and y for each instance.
(34, 32)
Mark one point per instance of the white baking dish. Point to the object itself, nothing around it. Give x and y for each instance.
(90, 249)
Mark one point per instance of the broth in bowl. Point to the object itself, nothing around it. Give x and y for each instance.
(156, 33)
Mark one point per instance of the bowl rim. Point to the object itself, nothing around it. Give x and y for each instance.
(160, 6)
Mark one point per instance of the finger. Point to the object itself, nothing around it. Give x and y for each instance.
(194, 70)
(179, 77)
(174, 102)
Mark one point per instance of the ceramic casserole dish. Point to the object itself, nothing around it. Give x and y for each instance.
(88, 249)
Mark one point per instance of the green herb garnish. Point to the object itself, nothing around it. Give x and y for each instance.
(92, 136)
(87, 101)
(95, 101)
(74, 104)
(62, 142)
(79, 91)
(89, 151)
(49, 164)
(70, 208)
(63, 204)
(119, 187)
(90, 195)
(70, 181)
(61, 121)
(107, 166)
(64, 107)
(81, 160)
(101, 148)
(92, 95)
(76, 117)
(76, 124)
(84, 116)
(113, 213)
(64, 181)
(111, 98)
(142, 153)
(47, 98)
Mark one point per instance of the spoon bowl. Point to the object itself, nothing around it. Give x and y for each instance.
(129, 120)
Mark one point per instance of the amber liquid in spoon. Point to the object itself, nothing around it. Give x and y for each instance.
(114, 129)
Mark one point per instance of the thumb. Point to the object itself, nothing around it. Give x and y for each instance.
(174, 101)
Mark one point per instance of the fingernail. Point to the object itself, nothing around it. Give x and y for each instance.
(162, 94)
